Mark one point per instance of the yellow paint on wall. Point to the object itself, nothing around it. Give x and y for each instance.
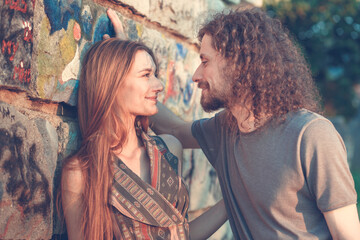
(68, 44)
(139, 29)
(54, 53)
(48, 64)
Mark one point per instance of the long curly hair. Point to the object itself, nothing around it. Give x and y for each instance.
(266, 67)
(103, 128)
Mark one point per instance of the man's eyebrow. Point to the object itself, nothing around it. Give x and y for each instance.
(202, 56)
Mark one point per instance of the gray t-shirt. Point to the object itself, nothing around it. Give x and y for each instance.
(277, 180)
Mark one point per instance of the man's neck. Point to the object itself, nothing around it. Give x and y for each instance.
(246, 120)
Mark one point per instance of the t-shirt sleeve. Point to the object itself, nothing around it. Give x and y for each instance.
(207, 133)
(326, 169)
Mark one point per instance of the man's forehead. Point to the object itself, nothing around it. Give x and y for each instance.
(207, 50)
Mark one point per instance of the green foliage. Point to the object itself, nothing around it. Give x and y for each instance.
(328, 31)
(356, 176)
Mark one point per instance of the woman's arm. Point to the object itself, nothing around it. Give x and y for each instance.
(71, 197)
(207, 223)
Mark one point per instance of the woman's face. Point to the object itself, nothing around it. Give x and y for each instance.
(138, 95)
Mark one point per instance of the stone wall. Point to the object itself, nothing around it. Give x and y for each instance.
(42, 44)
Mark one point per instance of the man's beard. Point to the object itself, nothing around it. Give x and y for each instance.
(211, 103)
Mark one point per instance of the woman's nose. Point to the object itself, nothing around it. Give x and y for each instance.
(158, 85)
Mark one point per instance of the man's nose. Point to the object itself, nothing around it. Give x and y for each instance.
(197, 74)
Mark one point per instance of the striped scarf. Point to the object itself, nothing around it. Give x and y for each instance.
(156, 211)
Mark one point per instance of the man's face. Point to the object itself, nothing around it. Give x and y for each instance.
(209, 76)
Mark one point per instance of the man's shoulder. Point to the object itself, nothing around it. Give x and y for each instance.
(217, 118)
(303, 117)
(297, 122)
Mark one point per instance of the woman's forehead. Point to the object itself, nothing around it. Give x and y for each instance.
(143, 60)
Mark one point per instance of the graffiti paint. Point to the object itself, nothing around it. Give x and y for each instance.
(16, 36)
(188, 92)
(181, 51)
(27, 166)
(22, 74)
(61, 12)
(134, 30)
(86, 20)
(17, 5)
(170, 88)
(5, 113)
(102, 26)
(26, 180)
(28, 36)
(9, 48)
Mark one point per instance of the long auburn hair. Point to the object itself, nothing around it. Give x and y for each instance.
(103, 129)
(264, 64)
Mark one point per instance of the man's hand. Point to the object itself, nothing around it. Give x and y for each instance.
(166, 122)
(118, 27)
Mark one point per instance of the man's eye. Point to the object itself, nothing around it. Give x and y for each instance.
(147, 75)
(203, 62)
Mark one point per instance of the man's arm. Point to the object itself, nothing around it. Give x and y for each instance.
(166, 122)
(209, 222)
(343, 222)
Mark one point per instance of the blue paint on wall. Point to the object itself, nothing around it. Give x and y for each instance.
(103, 26)
(59, 12)
(181, 51)
(188, 91)
(69, 89)
(84, 50)
(133, 33)
(86, 22)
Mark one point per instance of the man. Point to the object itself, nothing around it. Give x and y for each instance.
(282, 167)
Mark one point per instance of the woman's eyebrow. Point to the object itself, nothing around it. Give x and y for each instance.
(146, 70)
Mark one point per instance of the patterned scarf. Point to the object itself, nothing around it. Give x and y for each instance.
(156, 211)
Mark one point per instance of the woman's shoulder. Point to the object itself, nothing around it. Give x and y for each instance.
(72, 178)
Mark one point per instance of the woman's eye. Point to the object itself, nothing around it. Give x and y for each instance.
(204, 62)
(147, 75)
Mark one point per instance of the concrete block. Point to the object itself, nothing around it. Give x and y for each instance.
(28, 153)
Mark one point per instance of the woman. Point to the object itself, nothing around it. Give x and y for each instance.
(122, 183)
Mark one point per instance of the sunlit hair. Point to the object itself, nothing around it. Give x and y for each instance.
(103, 129)
(268, 72)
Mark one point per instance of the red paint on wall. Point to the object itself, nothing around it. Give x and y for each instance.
(22, 74)
(9, 47)
(28, 36)
(77, 31)
(17, 5)
(170, 84)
